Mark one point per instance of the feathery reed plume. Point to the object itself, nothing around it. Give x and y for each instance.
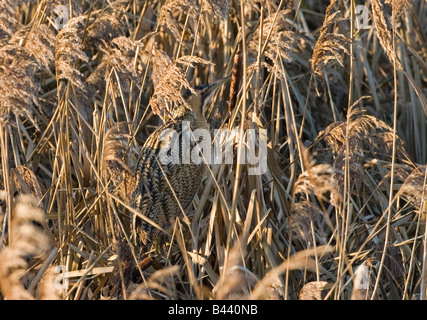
(367, 135)
(28, 240)
(171, 10)
(329, 45)
(158, 284)
(38, 44)
(306, 217)
(26, 182)
(282, 41)
(317, 180)
(383, 25)
(69, 49)
(314, 290)
(368, 138)
(7, 20)
(30, 48)
(18, 86)
(12, 269)
(114, 166)
(356, 175)
(399, 6)
(217, 8)
(168, 81)
(300, 260)
(415, 187)
(108, 24)
(120, 69)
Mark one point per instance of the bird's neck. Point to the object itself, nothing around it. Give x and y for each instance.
(201, 119)
(197, 107)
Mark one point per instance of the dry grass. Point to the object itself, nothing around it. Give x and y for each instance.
(340, 212)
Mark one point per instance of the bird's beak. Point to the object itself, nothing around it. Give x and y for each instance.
(211, 88)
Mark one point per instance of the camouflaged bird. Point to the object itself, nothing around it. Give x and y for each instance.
(159, 186)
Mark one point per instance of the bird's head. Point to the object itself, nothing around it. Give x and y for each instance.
(204, 92)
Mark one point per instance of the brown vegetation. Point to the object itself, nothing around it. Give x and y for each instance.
(340, 212)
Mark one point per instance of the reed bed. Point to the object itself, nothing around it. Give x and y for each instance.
(340, 211)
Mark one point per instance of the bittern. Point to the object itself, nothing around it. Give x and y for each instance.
(164, 190)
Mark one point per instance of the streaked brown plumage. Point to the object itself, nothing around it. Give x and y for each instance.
(160, 186)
